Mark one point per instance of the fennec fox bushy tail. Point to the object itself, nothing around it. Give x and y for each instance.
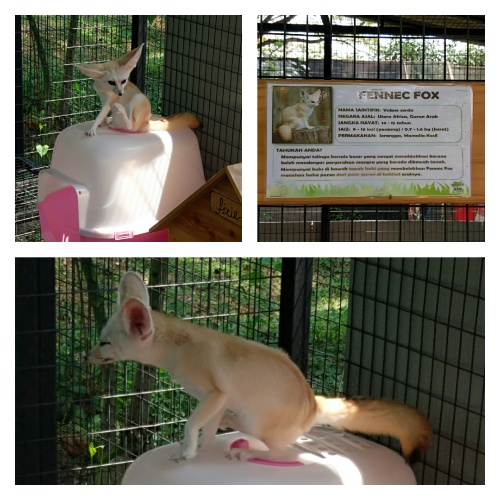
(296, 117)
(242, 384)
(130, 108)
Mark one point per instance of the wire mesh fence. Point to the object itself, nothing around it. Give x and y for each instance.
(129, 408)
(416, 333)
(431, 222)
(404, 329)
(404, 48)
(190, 63)
(371, 47)
(126, 409)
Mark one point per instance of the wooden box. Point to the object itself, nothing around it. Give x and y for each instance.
(212, 213)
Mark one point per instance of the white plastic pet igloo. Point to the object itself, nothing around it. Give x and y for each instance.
(322, 456)
(116, 185)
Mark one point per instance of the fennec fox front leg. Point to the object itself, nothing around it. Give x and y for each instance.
(130, 108)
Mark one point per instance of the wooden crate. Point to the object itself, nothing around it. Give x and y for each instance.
(212, 213)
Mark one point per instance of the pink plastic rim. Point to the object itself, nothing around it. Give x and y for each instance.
(244, 444)
(275, 463)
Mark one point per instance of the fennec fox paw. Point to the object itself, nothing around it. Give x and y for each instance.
(183, 454)
(119, 109)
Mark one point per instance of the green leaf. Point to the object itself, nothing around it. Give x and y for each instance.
(93, 449)
(42, 150)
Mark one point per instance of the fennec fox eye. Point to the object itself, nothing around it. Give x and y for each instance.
(112, 82)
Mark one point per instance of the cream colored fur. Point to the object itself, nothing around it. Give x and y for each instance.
(130, 108)
(296, 117)
(241, 384)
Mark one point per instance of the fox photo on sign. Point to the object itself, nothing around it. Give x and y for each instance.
(368, 140)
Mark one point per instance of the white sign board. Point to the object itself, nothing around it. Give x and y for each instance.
(368, 140)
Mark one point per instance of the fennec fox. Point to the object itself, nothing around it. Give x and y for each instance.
(130, 108)
(296, 117)
(241, 384)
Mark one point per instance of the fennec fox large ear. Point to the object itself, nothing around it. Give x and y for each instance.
(132, 286)
(94, 71)
(136, 319)
(97, 70)
(129, 60)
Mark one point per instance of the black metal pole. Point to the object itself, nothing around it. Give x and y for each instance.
(325, 209)
(139, 35)
(295, 309)
(325, 223)
(35, 372)
(19, 139)
(327, 70)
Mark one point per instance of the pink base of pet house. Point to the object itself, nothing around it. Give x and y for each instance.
(116, 185)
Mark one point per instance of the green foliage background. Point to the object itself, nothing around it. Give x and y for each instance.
(122, 410)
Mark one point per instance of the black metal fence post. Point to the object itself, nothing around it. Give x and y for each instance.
(295, 309)
(19, 140)
(35, 353)
(139, 35)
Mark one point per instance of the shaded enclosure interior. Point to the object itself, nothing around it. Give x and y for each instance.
(190, 63)
(405, 329)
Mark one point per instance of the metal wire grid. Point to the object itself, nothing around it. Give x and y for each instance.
(35, 378)
(329, 306)
(51, 94)
(335, 47)
(417, 335)
(442, 222)
(129, 408)
(370, 47)
(203, 73)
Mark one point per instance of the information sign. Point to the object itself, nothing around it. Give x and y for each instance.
(368, 140)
